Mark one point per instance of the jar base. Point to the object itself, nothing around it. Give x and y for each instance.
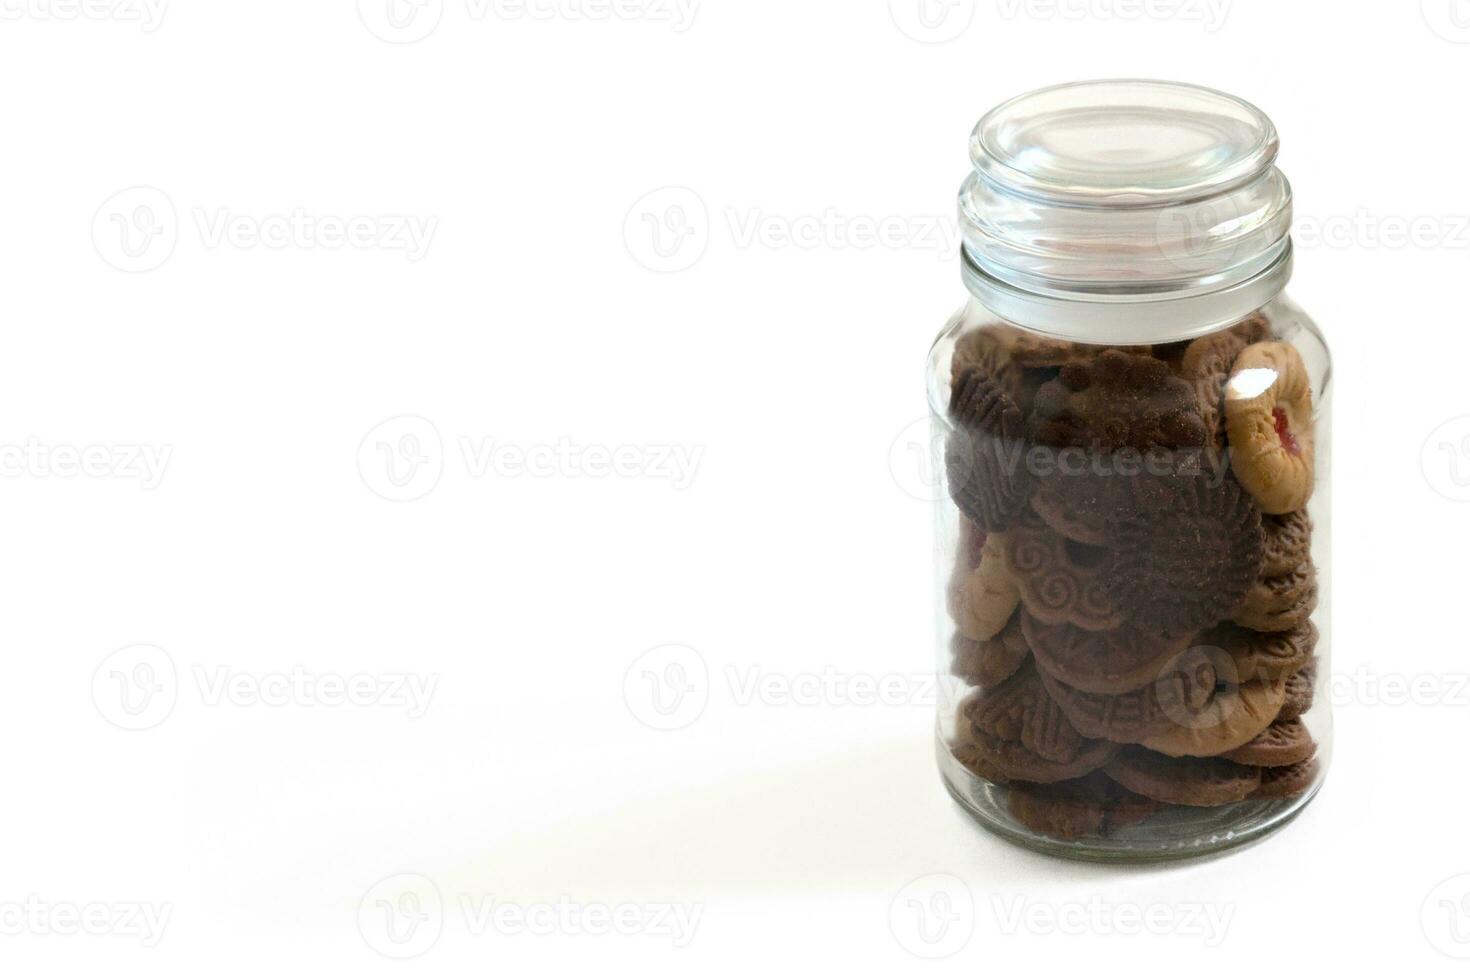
(1173, 833)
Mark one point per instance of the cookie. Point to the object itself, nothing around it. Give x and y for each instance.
(1288, 542)
(1187, 566)
(1280, 602)
(1268, 419)
(1301, 692)
(986, 348)
(1205, 363)
(1017, 732)
(972, 541)
(1234, 715)
(1117, 400)
(1186, 782)
(1262, 656)
(1284, 782)
(1093, 806)
(1184, 687)
(984, 456)
(987, 663)
(1283, 743)
(982, 599)
(1107, 662)
(1070, 519)
(1060, 581)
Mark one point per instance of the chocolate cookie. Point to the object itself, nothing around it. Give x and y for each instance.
(1288, 542)
(1117, 400)
(1078, 520)
(1059, 580)
(1107, 662)
(1282, 782)
(982, 599)
(1262, 656)
(987, 663)
(1187, 781)
(1284, 743)
(1016, 731)
(1280, 602)
(1301, 691)
(1184, 687)
(984, 457)
(1093, 806)
(1180, 569)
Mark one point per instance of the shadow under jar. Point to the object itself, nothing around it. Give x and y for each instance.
(1132, 552)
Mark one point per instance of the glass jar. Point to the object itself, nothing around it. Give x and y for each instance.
(1133, 543)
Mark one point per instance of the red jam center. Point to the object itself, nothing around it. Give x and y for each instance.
(1284, 433)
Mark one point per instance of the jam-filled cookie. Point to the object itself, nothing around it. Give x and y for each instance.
(1268, 417)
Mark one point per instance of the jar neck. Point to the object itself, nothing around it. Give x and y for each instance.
(1139, 314)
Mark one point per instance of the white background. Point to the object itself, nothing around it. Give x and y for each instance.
(532, 338)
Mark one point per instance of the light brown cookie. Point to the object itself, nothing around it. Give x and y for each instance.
(1185, 782)
(1059, 580)
(1268, 419)
(1301, 691)
(1284, 782)
(1262, 656)
(982, 599)
(1288, 542)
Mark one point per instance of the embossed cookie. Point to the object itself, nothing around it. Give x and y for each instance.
(1060, 581)
(984, 457)
(987, 663)
(1187, 781)
(1283, 782)
(1185, 567)
(1232, 717)
(1268, 418)
(1117, 400)
(1015, 731)
(1093, 806)
(1301, 691)
(1206, 362)
(1281, 602)
(1262, 655)
(1184, 688)
(1106, 662)
(1072, 515)
(1288, 542)
(982, 599)
(1284, 743)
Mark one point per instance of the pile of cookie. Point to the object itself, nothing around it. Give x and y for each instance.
(1134, 580)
